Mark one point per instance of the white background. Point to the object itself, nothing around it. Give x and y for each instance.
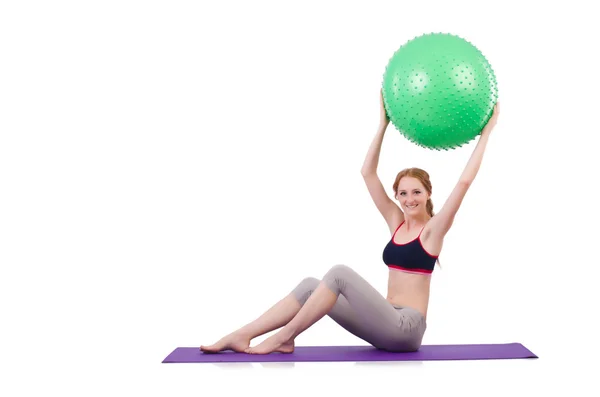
(170, 169)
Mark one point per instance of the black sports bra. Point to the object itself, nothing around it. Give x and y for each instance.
(410, 257)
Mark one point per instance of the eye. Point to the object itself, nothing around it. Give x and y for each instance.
(418, 192)
(402, 193)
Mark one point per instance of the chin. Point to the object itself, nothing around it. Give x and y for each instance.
(415, 211)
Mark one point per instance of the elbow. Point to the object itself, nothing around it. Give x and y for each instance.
(366, 172)
(466, 182)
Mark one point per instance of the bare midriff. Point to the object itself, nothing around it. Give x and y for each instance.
(409, 290)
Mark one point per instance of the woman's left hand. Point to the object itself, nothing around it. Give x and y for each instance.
(493, 120)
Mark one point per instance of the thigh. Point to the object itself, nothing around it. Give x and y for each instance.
(361, 309)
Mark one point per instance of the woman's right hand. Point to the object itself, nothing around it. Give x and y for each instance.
(384, 120)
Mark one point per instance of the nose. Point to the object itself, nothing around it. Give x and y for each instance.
(410, 200)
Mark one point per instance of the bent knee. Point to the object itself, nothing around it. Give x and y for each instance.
(338, 277)
(309, 282)
(340, 269)
(305, 288)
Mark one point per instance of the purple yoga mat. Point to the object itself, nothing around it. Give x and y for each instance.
(357, 353)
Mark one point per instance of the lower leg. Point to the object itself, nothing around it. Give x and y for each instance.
(316, 307)
(277, 316)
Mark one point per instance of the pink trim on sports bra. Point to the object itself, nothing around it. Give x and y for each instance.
(418, 237)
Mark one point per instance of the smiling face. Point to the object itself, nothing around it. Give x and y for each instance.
(412, 189)
(412, 196)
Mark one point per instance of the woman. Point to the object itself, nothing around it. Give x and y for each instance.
(393, 323)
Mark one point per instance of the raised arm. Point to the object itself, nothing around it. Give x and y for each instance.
(389, 210)
(442, 221)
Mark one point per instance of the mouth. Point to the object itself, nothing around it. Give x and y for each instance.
(412, 206)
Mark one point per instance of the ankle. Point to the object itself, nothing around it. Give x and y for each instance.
(288, 333)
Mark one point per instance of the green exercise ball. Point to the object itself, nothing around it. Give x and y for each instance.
(439, 91)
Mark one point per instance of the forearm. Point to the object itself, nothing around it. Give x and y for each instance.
(372, 159)
(472, 167)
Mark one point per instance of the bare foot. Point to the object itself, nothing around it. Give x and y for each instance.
(235, 341)
(287, 347)
(274, 343)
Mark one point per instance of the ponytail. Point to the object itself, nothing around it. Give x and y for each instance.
(430, 207)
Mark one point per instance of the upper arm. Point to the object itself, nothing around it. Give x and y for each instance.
(389, 210)
(442, 221)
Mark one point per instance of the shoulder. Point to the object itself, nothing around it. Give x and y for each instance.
(430, 230)
(395, 222)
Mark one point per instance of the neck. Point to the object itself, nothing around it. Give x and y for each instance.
(416, 221)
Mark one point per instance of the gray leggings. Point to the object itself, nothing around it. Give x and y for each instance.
(364, 312)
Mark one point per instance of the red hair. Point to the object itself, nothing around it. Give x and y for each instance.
(423, 177)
